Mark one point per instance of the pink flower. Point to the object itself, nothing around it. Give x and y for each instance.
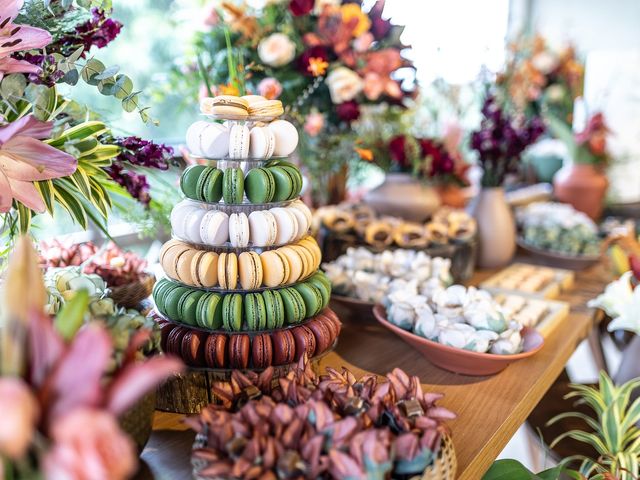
(89, 445)
(24, 159)
(15, 38)
(19, 415)
(363, 42)
(375, 85)
(314, 123)
(212, 18)
(269, 88)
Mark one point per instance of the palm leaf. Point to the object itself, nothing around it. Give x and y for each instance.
(587, 419)
(584, 437)
(79, 132)
(45, 187)
(81, 180)
(71, 204)
(102, 153)
(24, 217)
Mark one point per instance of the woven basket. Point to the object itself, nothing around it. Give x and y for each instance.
(445, 466)
(131, 294)
(137, 422)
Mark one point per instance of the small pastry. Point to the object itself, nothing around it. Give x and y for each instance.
(438, 233)
(239, 141)
(225, 105)
(462, 230)
(261, 142)
(410, 235)
(379, 234)
(338, 221)
(266, 108)
(286, 137)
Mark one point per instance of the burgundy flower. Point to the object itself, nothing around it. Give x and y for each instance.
(144, 153)
(136, 184)
(317, 51)
(379, 26)
(348, 111)
(301, 7)
(397, 151)
(99, 30)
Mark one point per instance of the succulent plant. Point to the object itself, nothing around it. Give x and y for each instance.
(329, 426)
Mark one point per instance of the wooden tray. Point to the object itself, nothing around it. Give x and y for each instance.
(556, 312)
(562, 281)
(554, 259)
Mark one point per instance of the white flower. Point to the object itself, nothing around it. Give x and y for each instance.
(344, 84)
(544, 62)
(555, 93)
(276, 50)
(615, 297)
(320, 4)
(509, 342)
(629, 315)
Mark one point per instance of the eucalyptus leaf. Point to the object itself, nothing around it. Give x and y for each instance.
(66, 3)
(71, 77)
(13, 86)
(124, 87)
(91, 69)
(43, 100)
(107, 87)
(109, 72)
(130, 103)
(76, 55)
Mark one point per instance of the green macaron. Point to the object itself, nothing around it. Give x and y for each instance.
(312, 298)
(274, 308)
(233, 185)
(203, 182)
(259, 185)
(187, 306)
(172, 301)
(294, 308)
(160, 290)
(209, 311)
(232, 312)
(254, 311)
(321, 283)
(213, 188)
(189, 180)
(296, 177)
(285, 183)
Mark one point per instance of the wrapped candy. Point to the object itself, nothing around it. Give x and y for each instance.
(485, 315)
(509, 342)
(426, 323)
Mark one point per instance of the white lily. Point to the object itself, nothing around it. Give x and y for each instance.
(629, 315)
(617, 294)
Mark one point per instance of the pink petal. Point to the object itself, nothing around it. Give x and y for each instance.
(76, 381)
(46, 347)
(31, 37)
(25, 158)
(11, 65)
(10, 8)
(6, 197)
(27, 193)
(137, 379)
(27, 126)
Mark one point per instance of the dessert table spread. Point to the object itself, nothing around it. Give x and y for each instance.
(490, 409)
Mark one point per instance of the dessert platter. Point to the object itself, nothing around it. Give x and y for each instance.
(559, 235)
(530, 280)
(243, 290)
(450, 233)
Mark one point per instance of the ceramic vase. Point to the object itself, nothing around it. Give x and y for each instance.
(451, 196)
(584, 186)
(402, 195)
(496, 228)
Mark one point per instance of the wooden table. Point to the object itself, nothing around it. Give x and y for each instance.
(490, 409)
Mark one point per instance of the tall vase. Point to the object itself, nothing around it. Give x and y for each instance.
(496, 228)
(402, 195)
(583, 186)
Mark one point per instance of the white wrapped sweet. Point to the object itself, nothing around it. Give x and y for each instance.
(485, 315)
(508, 343)
(426, 323)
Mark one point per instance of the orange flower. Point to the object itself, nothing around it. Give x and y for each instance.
(317, 66)
(228, 89)
(351, 12)
(365, 154)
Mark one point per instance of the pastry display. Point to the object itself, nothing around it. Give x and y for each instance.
(368, 276)
(558, 228)
(530, 280)
(466, 318)
(243, 287)
(447, 226)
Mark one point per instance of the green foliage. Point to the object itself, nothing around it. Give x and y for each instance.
(71, 316)
(508, 469)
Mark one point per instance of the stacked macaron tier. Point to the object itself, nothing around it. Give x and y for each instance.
(243, 287)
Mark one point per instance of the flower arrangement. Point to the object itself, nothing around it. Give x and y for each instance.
(329, 426)
(541, 81)
(588, 146)
(60, 394)
(57, 152)
(323, 59)
(501, 139)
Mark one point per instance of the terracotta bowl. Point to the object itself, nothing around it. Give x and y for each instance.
(458, 360)
(559, 260)
(359, 310)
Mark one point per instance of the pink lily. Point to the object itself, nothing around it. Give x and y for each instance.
(24, 159)
(15, 38)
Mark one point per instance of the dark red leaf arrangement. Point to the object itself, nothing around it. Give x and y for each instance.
(329, 426)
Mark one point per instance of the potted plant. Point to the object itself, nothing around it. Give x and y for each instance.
(582, 182)
(499, 142)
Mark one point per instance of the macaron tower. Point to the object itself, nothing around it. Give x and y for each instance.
(243, 289)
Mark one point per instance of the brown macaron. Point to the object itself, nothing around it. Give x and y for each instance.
(284, 347)
(261, 351)
(215, 350)
(305, 341)
(324, 336)
(239, 347)
(165, 330)
(193, 347)
(174, 341)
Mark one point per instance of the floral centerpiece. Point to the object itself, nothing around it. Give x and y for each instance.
(54, 150)
(539, 80)
(60, 393)
(322, 58)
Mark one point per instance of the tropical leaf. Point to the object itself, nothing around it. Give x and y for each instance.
(102, 153)
(81, 180)
(71, 316)
(587, 419)
(70, 202)
(45, 187)
(590, 438)
(24, 217)
(79, 132)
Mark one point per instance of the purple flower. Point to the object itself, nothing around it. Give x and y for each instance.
(99, 30)
(144, 153)
(135, 183)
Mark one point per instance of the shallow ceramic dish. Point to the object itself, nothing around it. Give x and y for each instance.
(359, 310)
(458, 360)
(559, 260)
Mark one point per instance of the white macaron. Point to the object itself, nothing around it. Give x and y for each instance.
(286, 137)
(214, 228)
(303, 223)
(287, 225)
(262, 142)
(192, 222)
(263, 228)
(239, 141)
(178, 214)
(239, 230)
(206, 139)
